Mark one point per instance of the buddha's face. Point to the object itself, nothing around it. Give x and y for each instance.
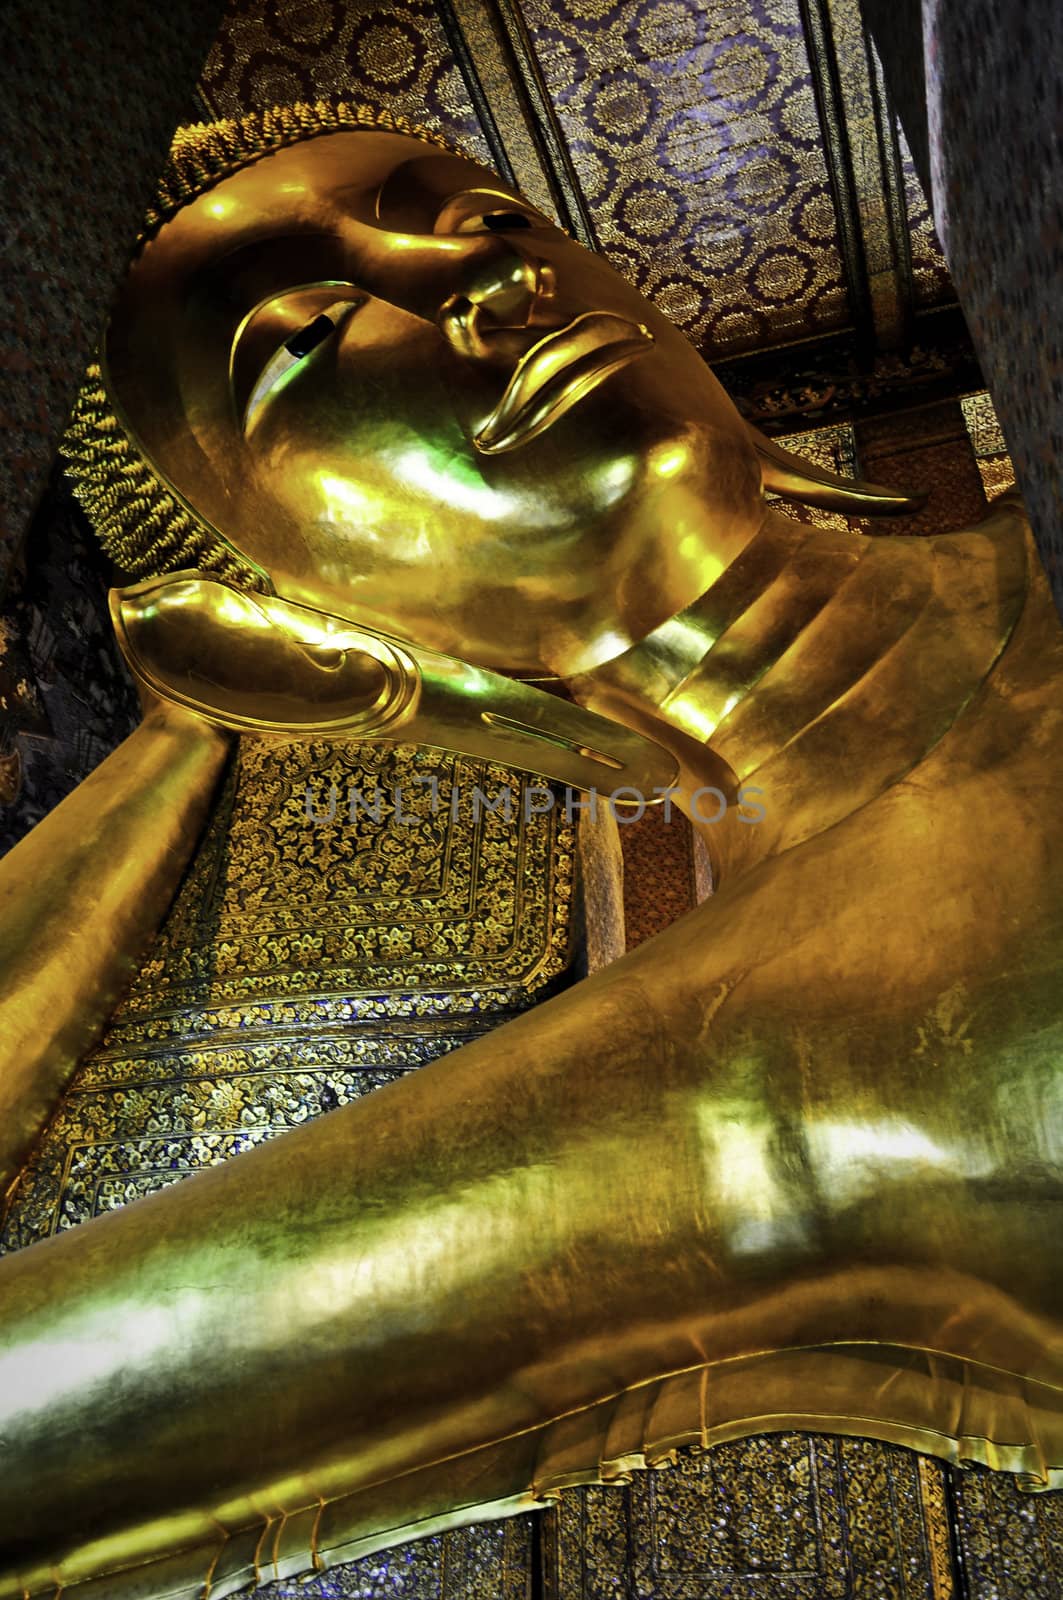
(414, 401)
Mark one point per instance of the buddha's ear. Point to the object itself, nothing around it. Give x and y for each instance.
(795, 479)
(261, 664)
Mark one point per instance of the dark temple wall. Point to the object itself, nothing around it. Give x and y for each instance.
(991, 134)
(90, 95)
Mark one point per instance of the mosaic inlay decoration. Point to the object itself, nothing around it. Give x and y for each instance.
(308, 961)
(491, 1561)
(988, 443)
(793, 1515)
(392, 57)
(1011, 1543)
(695, 136)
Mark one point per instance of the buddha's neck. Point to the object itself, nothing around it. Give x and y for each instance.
(815, 645)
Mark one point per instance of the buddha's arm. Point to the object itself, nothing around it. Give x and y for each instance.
(80, 897)
(784, 1123)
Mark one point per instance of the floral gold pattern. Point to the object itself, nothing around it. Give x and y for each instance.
(988, 443)
(393, 57)
(305, 963)
(805, 1516)
(695, 136)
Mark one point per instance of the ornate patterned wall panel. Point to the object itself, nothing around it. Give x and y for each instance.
(793, 1515)
(694, 132)
(1011, 1543)
(392, 56)
(988, 443)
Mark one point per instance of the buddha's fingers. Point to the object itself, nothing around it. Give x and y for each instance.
(80, 897)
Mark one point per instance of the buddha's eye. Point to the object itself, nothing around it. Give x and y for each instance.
(497, 222)
(276, 340)
(487, 211)
(301, 343)
(503, 221)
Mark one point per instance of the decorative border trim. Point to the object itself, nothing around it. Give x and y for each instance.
(826, 84)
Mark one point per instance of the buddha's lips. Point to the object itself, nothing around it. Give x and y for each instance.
(557, 372)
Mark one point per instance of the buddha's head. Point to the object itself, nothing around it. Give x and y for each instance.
(360, 369)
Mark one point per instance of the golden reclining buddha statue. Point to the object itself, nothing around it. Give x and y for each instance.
(384, 450)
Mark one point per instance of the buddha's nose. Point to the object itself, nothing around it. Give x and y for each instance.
(506, 292)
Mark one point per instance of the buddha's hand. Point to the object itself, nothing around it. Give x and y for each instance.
(259, 664)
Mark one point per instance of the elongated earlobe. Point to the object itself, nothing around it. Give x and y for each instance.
(795, 479)
(265, 665)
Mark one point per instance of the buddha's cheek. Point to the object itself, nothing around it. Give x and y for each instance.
(372, 500)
